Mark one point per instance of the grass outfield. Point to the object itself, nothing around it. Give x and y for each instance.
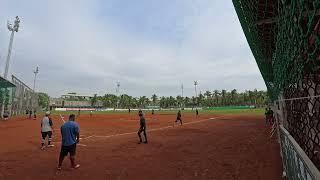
(254, 112)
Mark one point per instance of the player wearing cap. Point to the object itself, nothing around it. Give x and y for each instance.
(46, 130)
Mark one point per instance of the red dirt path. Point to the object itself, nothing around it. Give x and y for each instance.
(228, 147)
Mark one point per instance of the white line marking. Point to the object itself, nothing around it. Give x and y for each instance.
(78, 144)
(81, 145)
(155, 129)
(62, 118)
(87, 137)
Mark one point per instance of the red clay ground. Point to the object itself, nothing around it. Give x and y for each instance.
(228, 147)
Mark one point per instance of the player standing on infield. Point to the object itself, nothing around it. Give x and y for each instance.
(46, 130)
(70, 137)
(179, 117)
(142, 128)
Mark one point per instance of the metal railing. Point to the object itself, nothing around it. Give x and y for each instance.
(297, 165)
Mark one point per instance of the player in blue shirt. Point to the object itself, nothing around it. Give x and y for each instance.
(70, 137)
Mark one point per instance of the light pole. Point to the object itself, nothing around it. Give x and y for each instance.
(36, 71)
(13, 29)
(182, 95)
(181, 90)
(195, 89)
(118, 93)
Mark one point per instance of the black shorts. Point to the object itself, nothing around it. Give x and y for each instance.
(45, 134)
(68, 149)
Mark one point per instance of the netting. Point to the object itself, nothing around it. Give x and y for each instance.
(303, 115)
(297, 70)
(23, 98)
(5, 97)
(256, 18)
(297, 46)
(284, 38)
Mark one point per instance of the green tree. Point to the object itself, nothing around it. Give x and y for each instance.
(216, 95)
(154, 99)
(94, 100)
(43, 100)
(223, 97)
(234, 96)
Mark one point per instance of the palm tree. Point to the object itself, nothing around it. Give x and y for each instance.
(216, 96)
(207, 94)
(163, 102)
(223, 97)
(186, 101)
(179, 100)
(172, 101)
(200, 99)
(233, 96)
(94, 100)
(154, 99)
(143, 101)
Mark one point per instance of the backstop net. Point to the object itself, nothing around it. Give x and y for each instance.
(284, 36)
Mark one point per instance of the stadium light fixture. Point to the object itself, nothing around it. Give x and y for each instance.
(13, 28)
(36, 71)
(195, 89)
(118, 94)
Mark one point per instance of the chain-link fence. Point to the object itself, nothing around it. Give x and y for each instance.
(24, 99)
(284, 37)
(6, 89)
(302, 116)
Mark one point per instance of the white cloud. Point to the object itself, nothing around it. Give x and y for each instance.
(79, 50)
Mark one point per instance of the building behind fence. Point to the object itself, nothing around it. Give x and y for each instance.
(23, 98)
(284, 39)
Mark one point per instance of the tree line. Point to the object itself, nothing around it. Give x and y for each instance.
(206, 99)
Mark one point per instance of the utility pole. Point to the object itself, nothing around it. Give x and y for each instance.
(13, 29)
(182, 96)
(181, 90)
(118, 93)
(36, 71)
(195, 89)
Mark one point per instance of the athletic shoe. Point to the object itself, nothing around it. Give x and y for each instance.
(76, 166)
(59, 168)
(43, 147)
(51, 145)
(146, 142)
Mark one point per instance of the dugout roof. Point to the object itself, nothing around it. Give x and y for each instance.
(5, 83)
(258, 21)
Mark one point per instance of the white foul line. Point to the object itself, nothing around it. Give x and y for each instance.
(155, 129)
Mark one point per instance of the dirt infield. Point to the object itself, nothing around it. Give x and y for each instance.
(205, 147)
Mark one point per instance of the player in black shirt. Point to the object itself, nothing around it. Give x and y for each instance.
(179, 117)
(142, 128)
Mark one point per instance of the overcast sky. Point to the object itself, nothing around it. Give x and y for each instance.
(149, 46)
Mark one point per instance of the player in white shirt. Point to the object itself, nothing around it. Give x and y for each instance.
(46, 130)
